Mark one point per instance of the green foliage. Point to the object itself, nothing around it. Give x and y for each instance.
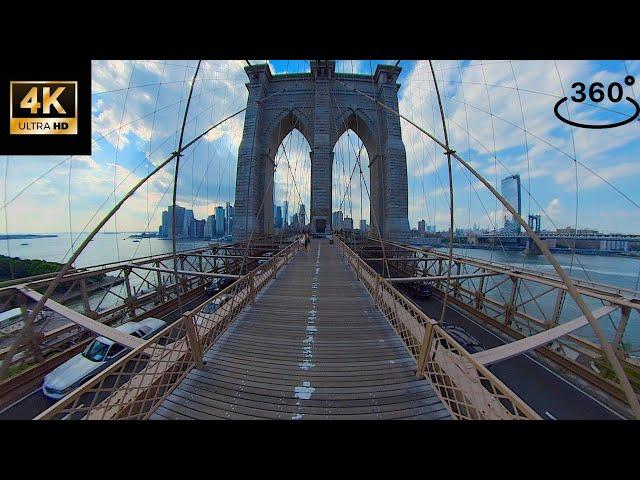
(25, 268)
(18, 368)
(606, 370)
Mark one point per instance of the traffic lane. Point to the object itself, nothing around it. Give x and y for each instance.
(37, 402)
(543, 390)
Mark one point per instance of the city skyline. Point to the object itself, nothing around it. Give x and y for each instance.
(127, 144)
(187, 226)
(419, 184)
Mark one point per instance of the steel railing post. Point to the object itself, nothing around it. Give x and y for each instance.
(424, 349)
(252, 288)
(192, 338)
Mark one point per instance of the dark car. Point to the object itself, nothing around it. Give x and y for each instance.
(420, 289)
(217, 285)
(460, 335)
(215, 305)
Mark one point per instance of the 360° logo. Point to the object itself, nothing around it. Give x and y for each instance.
(596, 94)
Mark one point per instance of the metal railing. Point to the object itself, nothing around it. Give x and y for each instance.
(467, 388)
(137, 288)
(134, 386)
(518, 303)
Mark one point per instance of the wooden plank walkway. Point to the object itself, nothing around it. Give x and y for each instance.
(313, 346)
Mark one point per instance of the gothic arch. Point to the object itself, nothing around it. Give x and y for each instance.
(322, 107)
(282, 125)
(364, 127)
(360, 123)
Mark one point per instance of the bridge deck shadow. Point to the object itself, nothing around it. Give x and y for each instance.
(313, 346)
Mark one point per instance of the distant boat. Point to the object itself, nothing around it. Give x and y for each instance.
(24, 244)
(136, 241)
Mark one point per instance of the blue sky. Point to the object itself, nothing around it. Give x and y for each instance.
(499, 117)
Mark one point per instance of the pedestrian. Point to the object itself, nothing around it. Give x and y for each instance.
(306, 241)
(302, 243)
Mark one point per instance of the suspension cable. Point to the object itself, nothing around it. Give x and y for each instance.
(175, 188)
(65, 268)
(634, 403)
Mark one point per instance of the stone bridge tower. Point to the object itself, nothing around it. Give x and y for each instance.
(322, 108)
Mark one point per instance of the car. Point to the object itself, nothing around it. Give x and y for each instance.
(466, 341)
(98, 355)
(420, 289)
(216, 304)
(208, 312)
(217, 285)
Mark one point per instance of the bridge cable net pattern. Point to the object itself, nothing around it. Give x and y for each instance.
(146, 294)
(468, 389)
(511, 300)
(609, 355)
(453, 287)
(134, 387)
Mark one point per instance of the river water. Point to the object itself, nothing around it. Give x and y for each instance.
(612, 270)
(104, 248)
(616, 271)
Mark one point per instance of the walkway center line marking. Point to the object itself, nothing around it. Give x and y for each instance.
(304, 391)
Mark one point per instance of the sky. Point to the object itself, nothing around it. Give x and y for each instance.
(499, 117)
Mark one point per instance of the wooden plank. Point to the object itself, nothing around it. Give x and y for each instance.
(314, 346)
(509, 350)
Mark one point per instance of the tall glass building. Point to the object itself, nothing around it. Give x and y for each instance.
(219, 221)
(511, 192)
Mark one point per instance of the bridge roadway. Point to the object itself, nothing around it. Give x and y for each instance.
(36, 402)
(551, 395)
(312, 346)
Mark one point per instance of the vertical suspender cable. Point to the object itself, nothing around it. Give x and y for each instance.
(65, 268)
(448, 152)
(175, 188)
(631, 396)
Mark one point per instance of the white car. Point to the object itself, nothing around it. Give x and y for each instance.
(96, 357)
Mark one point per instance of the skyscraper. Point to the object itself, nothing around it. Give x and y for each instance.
(165, 224)
(167, 221)
(187, 223)
(363, 225)
(421, 227)
(302, 218)
(336, 220)
(210, 227)
(347, 223)
(198, 228)
(510, 190)
(285, 214)
(278, 217)
(219, 221)
(229, 219)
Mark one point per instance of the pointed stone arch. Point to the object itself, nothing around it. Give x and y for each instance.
(321, 109)
(359, 122)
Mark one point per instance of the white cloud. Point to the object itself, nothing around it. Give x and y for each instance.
(505, 109)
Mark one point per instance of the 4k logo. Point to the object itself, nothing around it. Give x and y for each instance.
(43, 108)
